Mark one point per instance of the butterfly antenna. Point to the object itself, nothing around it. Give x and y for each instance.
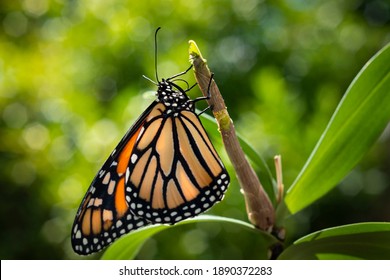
(155, 52)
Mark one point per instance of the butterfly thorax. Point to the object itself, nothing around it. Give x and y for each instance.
(173, 97)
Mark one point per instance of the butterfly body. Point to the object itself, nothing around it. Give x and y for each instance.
(164, 170)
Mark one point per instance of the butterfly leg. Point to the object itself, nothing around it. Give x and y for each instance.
(191, 87)
(204, 110)
(180, 74)
(206, 97)
(208, 91)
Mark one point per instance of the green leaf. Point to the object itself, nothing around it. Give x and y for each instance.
(128, 246)
(355, 241)
(358, 121)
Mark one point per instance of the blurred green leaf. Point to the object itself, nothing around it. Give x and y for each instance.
(358, 121)
(128, 247)
(355, 241)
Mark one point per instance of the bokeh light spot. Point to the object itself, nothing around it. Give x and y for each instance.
(35, 7)
(23, 173)
(15, 115)
(195, 241)
(15, 24)
(36, 136)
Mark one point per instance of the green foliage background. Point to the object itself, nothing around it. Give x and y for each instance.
(71, 84)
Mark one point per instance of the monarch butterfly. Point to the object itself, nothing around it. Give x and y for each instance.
(164, 170)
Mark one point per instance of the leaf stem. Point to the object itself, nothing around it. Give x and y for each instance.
(279, 178)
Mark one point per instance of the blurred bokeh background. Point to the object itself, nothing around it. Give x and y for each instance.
(71, 84)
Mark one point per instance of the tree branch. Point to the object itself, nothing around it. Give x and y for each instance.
(258, 205)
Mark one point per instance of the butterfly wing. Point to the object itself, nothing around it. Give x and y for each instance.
(174, 172)
(164, 170)
(104, 213)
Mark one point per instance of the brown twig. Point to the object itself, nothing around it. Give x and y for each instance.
(259, 207)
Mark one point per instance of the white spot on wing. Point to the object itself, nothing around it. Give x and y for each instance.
(75, 228)
(140, 223)
(127, 174)
(178, 218)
